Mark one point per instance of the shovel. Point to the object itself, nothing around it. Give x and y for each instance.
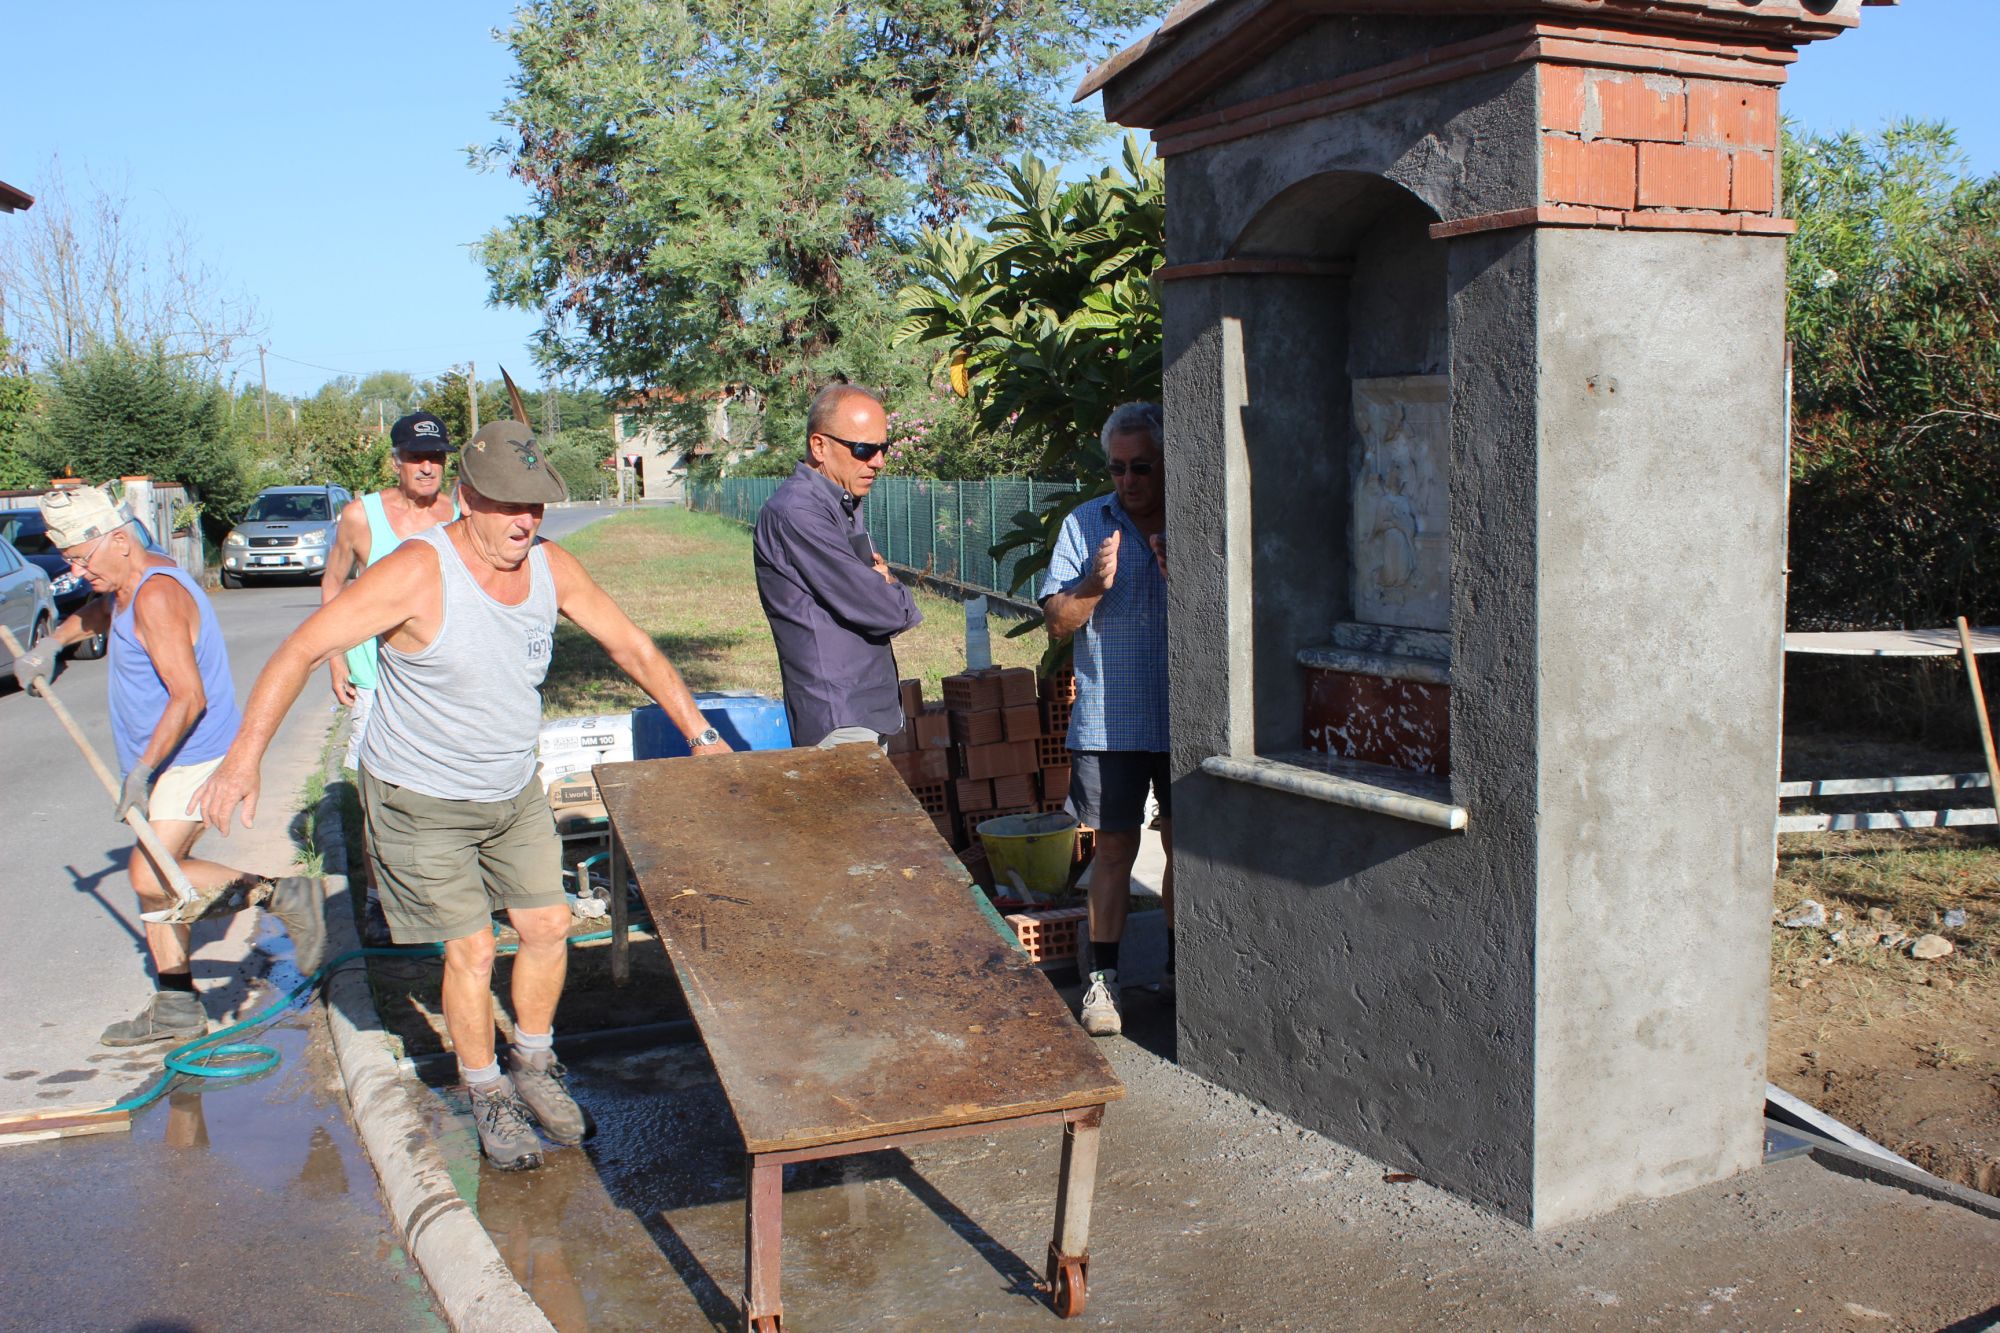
(189, 906)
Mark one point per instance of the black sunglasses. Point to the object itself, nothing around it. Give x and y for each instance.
(1136, 469)
(861, 451)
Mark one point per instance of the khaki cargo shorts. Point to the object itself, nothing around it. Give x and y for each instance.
(444, 867)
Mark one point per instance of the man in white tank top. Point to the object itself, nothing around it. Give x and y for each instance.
(458, 824)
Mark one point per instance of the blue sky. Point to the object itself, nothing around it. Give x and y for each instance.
(317, 153)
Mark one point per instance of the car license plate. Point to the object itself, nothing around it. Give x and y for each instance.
(267, 560)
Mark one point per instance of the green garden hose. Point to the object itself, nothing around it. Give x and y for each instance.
(196, 1059)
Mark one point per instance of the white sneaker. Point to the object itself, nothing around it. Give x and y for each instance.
(1100, 1006)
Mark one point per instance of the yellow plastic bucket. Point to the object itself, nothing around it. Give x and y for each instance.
(1037, 848)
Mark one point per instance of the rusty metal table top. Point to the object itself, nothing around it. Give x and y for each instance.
(844, 980)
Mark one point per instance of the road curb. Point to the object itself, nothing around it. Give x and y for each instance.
(465, 1273)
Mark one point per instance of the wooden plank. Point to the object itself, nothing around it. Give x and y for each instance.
(1892, 642)
(1863, 786)
(1979, 707)
(829, 947)
(67, 1123)
(1887, 819)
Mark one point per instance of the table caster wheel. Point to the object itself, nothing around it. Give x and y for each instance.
(1068, 1285)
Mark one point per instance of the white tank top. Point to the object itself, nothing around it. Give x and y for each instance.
(461, 719)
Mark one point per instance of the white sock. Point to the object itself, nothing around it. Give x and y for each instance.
(534, 1041)
(479, 1077)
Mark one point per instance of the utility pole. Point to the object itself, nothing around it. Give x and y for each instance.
(264, 390)
(472, 392)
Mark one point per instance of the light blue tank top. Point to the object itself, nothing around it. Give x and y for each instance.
(382, 539)
(461, 719)
(139, 696)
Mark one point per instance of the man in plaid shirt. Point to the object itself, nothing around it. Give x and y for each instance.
(1107, 586)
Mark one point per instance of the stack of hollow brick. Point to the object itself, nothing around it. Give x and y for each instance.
(921, 752)
(986, 749)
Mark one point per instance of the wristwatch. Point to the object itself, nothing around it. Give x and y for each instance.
(709, 736)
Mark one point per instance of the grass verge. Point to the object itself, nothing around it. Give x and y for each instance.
(686, 579)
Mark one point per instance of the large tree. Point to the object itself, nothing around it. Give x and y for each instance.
(119, 410)
(722, 193)
(1895, 331)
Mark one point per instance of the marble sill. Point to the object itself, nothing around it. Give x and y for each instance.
(1420, 798)
(1390, 666)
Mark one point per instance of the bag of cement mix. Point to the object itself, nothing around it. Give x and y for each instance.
(603, 740)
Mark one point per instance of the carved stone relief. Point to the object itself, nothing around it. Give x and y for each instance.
(1402, 545)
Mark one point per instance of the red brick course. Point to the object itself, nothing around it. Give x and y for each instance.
(1577, 171)
(1680, 176)
(1562, 98)
(1638, 106)
(1732, 113)
(1753, 182)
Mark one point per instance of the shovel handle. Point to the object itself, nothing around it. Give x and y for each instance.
(168, 866)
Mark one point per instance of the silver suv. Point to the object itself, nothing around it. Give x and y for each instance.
(286, 530)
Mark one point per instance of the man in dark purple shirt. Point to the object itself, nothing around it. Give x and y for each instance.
(831, 600)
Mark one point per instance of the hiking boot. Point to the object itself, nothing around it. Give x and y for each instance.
(538, 1078)
(1100, 1006)
(506, 1135)
(300, 902)
(171, 1015)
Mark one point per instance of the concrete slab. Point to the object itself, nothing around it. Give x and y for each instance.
(1211, 1213)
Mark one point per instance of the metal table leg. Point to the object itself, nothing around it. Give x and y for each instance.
(763, 1239)
(1069, 1252)
(621, 916)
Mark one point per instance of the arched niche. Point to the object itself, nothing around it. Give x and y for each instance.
(1347, 352)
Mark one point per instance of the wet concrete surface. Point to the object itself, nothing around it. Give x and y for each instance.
(1211, 1214)
(235, 1205)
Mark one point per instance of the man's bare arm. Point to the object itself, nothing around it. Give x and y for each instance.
(592, 610)
(165, 620)
(350, 550)
(390, 592)
(93, 617)
(1067, 612)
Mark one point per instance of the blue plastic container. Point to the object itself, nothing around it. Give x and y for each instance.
(747, 721)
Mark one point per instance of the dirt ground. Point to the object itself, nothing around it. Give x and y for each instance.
(1905, 1050)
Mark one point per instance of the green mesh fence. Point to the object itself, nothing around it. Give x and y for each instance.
(942, 528)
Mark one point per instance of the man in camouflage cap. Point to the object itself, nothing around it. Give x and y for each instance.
(457, 824)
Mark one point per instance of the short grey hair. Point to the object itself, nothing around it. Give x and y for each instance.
(1130, 419)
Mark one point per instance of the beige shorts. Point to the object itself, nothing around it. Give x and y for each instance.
(444, 867)
(173, 792)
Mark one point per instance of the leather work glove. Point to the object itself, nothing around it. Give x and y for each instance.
(37, 661)
(138, 791)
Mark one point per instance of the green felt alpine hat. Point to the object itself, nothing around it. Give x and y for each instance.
(505, 463)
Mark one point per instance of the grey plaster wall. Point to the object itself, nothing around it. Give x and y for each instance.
(1339, 45)
(1397, 317)
(1662, 482)
(1562, 1007)
(1370, 977)
(1465, 149)
(1296, 442)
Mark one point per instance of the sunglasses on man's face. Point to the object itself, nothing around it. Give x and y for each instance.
(1136, 469)
(861, 451)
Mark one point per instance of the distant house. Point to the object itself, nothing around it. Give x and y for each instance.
(659, 443)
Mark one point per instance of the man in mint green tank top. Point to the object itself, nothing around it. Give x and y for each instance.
(375, 525)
